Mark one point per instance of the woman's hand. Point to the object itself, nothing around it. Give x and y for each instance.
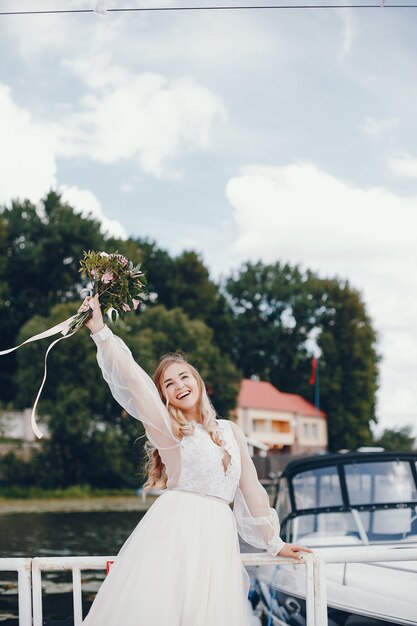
(96, 322)
(292, 551)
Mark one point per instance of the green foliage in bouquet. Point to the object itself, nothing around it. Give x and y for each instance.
(119, 283)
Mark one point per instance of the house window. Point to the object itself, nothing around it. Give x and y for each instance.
(306, 430)
(259, 425)
(314, 431)
(281, 427)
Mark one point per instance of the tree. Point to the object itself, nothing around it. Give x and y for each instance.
(398, 440)
(348, 365)
(278, 311)
(273, 318)
(39, 250)
(159, 267)
(184, 282)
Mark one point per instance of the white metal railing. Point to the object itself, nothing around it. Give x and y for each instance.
(76, 564)
(30, 571)
(33, 569)
(23, 569)
(257, 559)
(360, 554)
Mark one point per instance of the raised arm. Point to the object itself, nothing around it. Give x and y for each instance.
(130, 385)
(257, 523)
(133, 389)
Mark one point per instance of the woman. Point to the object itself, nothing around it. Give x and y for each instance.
(181, 565)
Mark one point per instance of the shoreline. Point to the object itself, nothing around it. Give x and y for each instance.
(74, 505)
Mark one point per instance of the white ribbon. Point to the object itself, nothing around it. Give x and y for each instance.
(59, 328)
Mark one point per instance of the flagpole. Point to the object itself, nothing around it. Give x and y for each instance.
(317, 388)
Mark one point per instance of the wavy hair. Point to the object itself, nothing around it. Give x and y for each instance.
(181, 427)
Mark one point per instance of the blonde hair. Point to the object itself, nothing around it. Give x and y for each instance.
(181, 427)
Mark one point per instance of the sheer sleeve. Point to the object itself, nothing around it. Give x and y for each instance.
(133, 388)
(257, 523)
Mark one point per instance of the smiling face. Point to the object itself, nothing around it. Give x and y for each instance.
(181, 388)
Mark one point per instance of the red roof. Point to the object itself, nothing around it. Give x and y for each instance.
(255, 394)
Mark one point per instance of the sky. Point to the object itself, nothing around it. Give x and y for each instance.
(284, 135)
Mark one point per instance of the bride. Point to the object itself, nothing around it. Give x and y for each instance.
(181, 565)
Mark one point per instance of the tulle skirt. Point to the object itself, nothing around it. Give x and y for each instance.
(181, 566)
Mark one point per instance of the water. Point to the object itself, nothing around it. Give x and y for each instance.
(59, 534)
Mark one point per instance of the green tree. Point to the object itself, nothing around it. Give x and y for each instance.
(348, 365)
(160, 271)
(40, 248)
(398, 440)
(184, 282)
(278, 311)
(273, 318)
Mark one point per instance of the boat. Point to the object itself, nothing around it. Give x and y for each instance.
(341, 502)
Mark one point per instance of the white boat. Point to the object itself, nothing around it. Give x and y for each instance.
(346, 501)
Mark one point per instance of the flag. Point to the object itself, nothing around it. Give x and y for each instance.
(313, 371)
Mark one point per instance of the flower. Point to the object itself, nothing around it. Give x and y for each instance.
(127, 308)
(122, 259)
(117, 281)
(107, 277)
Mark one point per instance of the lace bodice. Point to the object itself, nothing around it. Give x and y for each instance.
(202, 463)
(195, 462)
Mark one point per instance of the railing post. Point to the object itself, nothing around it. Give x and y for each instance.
(310, 600)
(37, 593)
(23, 568)
(24, 581)
(320, 592)
(77, 596)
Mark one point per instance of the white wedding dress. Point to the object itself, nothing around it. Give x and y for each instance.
(181, 565)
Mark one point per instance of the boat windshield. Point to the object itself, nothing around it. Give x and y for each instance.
(380, 483)
(376, 501)
(317, 488)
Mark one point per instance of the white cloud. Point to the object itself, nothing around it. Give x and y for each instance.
(378, 128)
(28, 163)
(404, 166)
(145, 118)
(302, 214)
(85, 202)
(27, 155)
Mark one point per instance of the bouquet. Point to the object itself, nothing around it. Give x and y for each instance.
(120, 284)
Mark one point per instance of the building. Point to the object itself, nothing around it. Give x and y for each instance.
(17, 425)
(285, 422)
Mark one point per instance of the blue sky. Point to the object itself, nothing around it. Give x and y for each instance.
(284, 135)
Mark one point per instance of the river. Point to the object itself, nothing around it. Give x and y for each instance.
(73, 533)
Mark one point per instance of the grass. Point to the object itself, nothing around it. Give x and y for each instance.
(74, 491)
